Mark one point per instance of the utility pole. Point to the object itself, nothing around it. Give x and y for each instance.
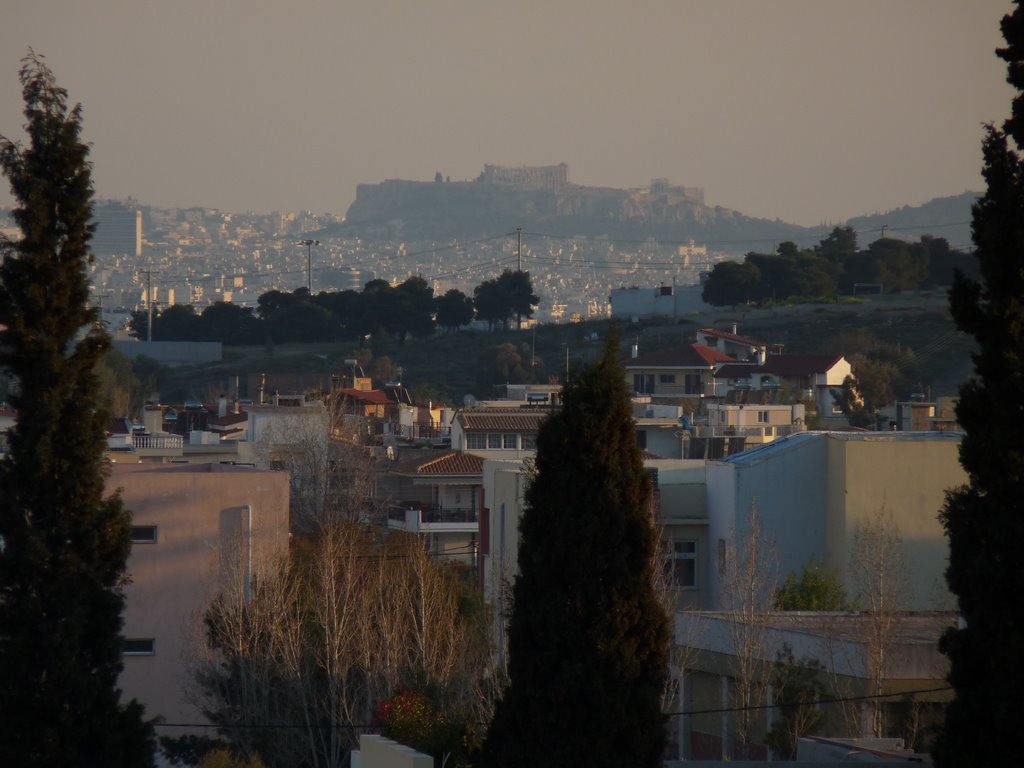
(519, 247)
(309, 262)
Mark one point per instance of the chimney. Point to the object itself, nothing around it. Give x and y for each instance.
(734, 329)
(222, 406)
(634, 351)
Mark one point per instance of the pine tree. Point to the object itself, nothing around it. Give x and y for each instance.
(63, 544)
(984, 520)
(588, 640)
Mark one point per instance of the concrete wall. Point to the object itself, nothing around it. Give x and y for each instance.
(204, 533)
(810, 490)
(378, 752)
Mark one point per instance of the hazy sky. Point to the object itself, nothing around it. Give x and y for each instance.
(807, 110)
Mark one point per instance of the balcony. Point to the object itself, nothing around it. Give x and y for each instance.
(764, 433)
(431, 518)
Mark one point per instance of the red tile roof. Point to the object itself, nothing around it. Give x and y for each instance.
(523, 420)
(370, 397)
(455, 463)
(691, 356)
(731, 337)
(780, 365)
(798, 365)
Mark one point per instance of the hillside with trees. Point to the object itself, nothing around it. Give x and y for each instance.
(836, 266)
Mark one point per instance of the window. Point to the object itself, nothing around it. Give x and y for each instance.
(509, 441)
(667, 378)
(681, 564)
(529, 442)
(494, 441)
(138, 646)
(693, 384)
(641, 439)
(475, 441)
(762, 417)
(143, 534)
(643, 383)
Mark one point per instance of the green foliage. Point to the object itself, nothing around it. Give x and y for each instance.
(815, 589)
(64, 544)
(834, 265)
(510, 294)
(984, 520)
(588, 639)
(797, 685)
(454, 309)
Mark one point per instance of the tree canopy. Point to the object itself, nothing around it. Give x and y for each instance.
(834, 266)
(984, 519)
(588, 639)
(63, 544)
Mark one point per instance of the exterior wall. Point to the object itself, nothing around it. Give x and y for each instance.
(504, 486)
(379, 752)
(810, 490)
(653, 302)
(908, 477)
(203, 537)
(708, 384)
(788, 489)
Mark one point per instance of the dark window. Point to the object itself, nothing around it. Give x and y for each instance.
(694, 385)
(138, 646)
(643, 383)
(681, 564)
(144, 534)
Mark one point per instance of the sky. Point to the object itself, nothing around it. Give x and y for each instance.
(810, 111)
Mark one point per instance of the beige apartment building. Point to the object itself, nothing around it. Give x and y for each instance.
(196, 529)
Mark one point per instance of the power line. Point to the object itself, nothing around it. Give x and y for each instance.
(677, 713)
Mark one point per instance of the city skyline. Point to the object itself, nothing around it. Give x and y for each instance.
(805, 111)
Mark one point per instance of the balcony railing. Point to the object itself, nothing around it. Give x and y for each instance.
(157, 442)
(424, 515)
(760, 432)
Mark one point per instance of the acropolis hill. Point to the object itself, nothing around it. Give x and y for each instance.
(542, 198)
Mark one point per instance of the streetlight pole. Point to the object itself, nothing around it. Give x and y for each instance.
(309, 262)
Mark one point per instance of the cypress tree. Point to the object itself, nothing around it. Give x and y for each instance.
(588, 639)
(63, 543)
(984, 519)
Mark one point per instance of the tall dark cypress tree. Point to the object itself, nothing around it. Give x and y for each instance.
(984, 520)
(588, 639)
(63, 544)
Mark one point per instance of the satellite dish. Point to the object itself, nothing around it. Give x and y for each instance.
(468, 401)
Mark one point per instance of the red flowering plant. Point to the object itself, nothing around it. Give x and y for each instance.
(412, 719)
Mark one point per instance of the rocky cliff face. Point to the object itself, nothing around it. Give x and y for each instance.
(450, 210)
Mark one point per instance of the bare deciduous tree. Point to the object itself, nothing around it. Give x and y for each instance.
(879, 572)
(749, 585)
(352, 618)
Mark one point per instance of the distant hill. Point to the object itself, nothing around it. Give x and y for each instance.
(542, 200)
(948, 217)
(549, 204)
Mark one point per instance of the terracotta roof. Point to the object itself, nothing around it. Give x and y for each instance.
(731, 337)
(455, 463)
(228, 420)
(502, 420)
(370, 397)
(797, 365)
(690, 356)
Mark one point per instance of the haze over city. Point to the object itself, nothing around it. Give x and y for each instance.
(806, 111)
